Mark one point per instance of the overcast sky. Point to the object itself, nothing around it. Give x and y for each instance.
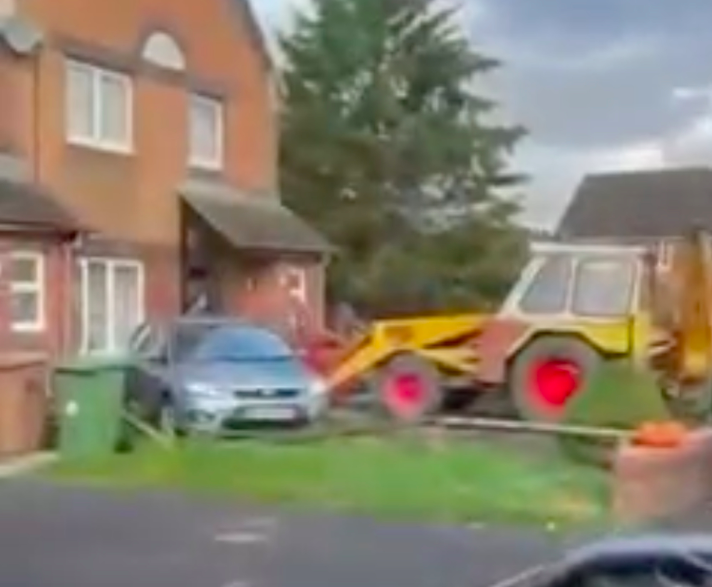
(601, 84)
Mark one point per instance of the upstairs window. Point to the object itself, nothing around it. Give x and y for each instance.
(98, 107)
(206, 124)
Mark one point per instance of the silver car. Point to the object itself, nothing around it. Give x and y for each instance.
(214, 374)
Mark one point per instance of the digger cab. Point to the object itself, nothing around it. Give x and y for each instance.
(580, 305)
(571, 281)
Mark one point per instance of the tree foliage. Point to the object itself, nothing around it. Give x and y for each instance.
(387, 149)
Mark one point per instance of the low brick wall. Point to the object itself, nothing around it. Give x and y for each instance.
(650, 483)
(23, 402)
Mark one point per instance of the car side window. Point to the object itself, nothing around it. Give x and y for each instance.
(548, 291)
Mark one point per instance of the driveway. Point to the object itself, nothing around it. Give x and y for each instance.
(59, 536)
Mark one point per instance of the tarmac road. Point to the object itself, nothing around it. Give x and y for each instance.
(61, 536)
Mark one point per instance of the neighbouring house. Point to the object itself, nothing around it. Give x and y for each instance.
(138, 147)
(639, 205)
(651, 207)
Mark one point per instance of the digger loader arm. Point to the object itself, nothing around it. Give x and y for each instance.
(691, 290)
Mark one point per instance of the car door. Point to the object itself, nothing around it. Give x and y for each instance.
(147, 379)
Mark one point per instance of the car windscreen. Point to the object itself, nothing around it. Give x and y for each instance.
(240, 344)
(603, 287)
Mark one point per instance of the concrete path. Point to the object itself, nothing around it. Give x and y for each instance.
(57, 535)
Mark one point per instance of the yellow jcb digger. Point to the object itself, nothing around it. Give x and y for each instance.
(575, 306)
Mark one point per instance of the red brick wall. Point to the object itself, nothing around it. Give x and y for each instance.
(162, 279)
(654, 483)
(133, 197)
(260, 290)
(15, 103)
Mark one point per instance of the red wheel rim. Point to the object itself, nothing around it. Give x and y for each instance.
(405, 394)
(553, 382)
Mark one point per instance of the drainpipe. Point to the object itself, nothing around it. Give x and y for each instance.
(37, 114)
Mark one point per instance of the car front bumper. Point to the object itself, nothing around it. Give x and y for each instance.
(215, 416)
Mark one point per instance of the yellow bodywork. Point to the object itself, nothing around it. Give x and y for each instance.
(610, 337)
(445, 341)
(692, 265)
(425, 336)
(684, 289)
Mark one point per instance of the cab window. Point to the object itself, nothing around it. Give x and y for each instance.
(548, 291)
(603, 287)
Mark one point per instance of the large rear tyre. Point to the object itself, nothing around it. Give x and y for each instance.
(546, 375)
(408, 388)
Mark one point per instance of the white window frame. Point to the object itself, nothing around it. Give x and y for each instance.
(665, 254)
(93, 139)
(294, 278)
(37, 288)
(196, 160)
(111, 264)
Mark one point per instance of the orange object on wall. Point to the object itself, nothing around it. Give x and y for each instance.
(660, 434)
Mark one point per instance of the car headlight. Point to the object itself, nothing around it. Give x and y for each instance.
(318, 388)
(205, 390)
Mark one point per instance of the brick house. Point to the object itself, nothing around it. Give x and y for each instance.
(147, 130)
(649, 207)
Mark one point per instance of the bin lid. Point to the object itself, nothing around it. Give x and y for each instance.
(93, 363)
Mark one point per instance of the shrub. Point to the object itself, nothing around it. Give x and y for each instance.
(617, 396)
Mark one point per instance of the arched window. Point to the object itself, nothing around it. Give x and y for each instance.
(162, 50)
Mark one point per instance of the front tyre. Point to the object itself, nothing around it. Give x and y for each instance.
(408, 388)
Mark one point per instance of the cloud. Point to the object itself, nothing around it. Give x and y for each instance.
(556, 172)
(595, 82)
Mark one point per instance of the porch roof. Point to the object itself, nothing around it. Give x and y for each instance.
(251, 222)
(25, 204)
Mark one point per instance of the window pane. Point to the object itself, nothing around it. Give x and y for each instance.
(127, 300)
(113, 109)
(79, 102)
(97, 310)
(78, 326)
(24, 308)
(23, 270)
(603, 287)
(205, 129)
(548, 291)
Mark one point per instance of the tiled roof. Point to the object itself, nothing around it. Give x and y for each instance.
(642, 204)
(24, 203)
(252, 222)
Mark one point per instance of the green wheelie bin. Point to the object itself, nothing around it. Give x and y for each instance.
(90, 400)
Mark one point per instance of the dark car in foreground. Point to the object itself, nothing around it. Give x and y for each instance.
(664, 560)
(210, 374)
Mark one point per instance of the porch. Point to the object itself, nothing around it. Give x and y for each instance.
(248, 255)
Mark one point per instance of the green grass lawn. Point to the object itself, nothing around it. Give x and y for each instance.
(409, 477)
